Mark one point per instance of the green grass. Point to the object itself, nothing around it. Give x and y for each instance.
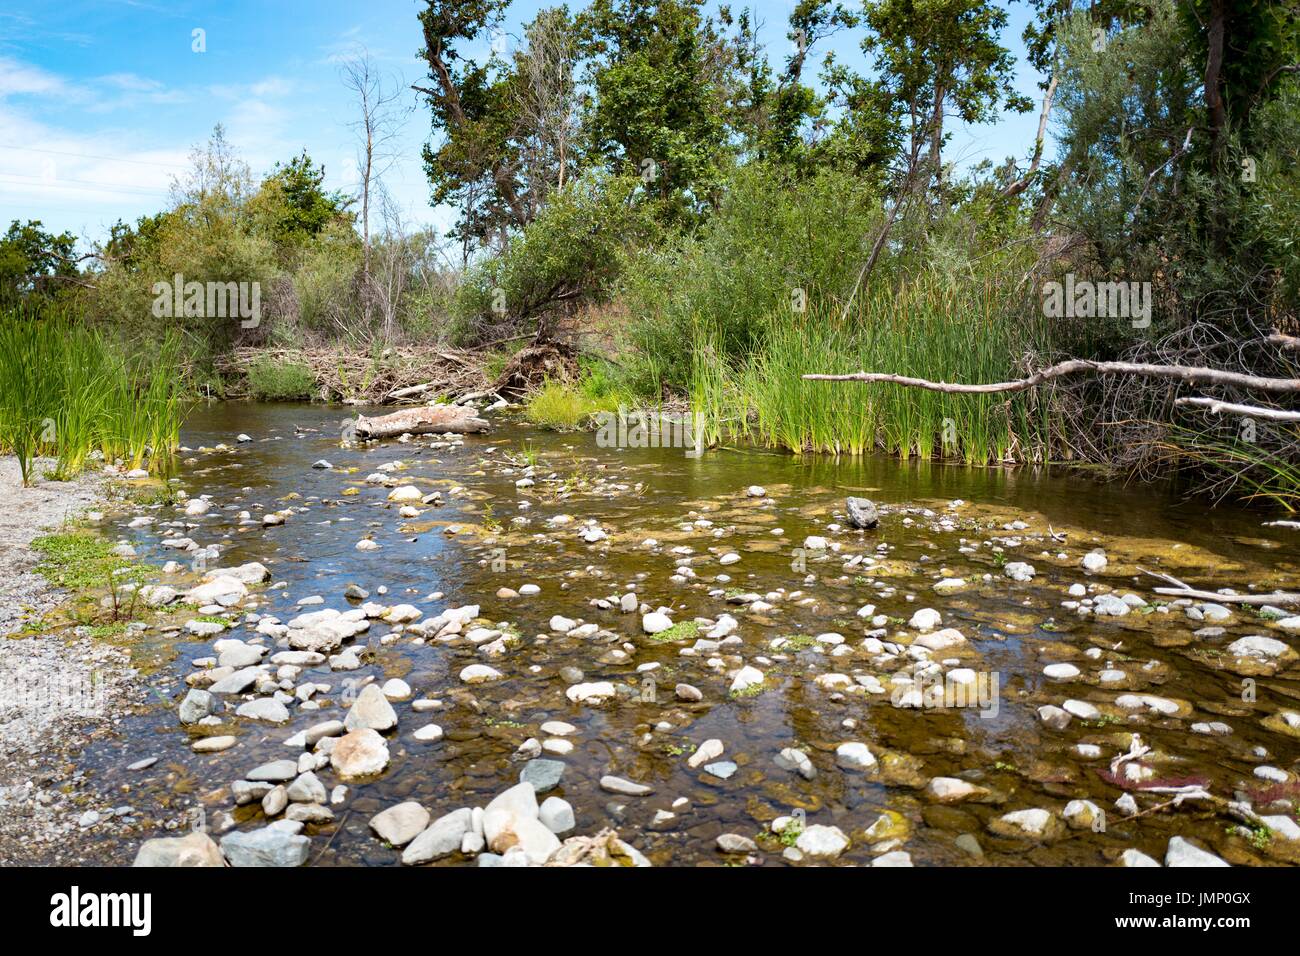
(681, 631)
(797, 642)
(67, 392)
(77, 560)
(274, 380)
(1252, 471)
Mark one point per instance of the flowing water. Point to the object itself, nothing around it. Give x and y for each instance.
(662, 510)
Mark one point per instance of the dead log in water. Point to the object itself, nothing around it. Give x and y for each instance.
(425, 420)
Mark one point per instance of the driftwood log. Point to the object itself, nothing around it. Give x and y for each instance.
(425, 420)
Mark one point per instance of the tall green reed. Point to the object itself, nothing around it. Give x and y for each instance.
(930, 327)
(66, 392)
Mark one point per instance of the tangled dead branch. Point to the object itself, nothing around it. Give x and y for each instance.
(1129, 415)
(393, 376)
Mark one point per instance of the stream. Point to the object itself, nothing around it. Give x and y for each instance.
(830, 626)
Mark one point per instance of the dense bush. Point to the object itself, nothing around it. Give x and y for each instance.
(570, 255)
(272, 379)
(775, 246)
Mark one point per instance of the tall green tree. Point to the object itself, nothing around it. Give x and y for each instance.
(473, 163)
(36, 261)
(294, 203)
(662, 82)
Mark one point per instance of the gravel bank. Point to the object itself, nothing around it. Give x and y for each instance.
(54, 691)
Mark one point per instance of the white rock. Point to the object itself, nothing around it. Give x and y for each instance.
(925, 619)
(1182, 853)
(656, 622)
(822, 842)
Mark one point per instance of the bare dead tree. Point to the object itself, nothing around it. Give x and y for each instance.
(548, 103)
(1020, 184)
(379, 99)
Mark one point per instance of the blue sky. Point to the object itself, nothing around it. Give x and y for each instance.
(101, 102)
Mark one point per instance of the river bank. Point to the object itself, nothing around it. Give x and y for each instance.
(57, 690)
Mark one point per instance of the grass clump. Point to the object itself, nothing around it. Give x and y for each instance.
(797, 642)
(681, 631)
(67, 392)
(275, 380)
(567, 406)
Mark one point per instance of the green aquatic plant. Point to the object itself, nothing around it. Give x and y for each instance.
(928, 326)
(681, 631)
(797, 642)
(80, 559)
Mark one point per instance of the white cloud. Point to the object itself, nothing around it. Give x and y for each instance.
(22, 79)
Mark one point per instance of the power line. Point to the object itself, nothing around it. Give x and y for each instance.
(112, 159)
(92, 184)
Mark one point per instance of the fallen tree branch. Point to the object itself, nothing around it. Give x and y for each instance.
(1277, 597)
(1192, 375)
(1283, 341)
(1216, 407)
(1166, 577)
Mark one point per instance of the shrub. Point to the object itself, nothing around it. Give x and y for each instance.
(276, 380)
(570, 255)
(774, 245)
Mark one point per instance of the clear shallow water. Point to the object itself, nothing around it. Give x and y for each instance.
(1013, 631)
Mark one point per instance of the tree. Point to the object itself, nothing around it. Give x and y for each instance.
(35, 261)
(474, 160)
(661, 81)
(295, 203)
(940, 56)
(376, 130)
(932, 58)
(547, 103)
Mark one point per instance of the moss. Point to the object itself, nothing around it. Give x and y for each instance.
(790, 835)
(109, 630)
(751, 691)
